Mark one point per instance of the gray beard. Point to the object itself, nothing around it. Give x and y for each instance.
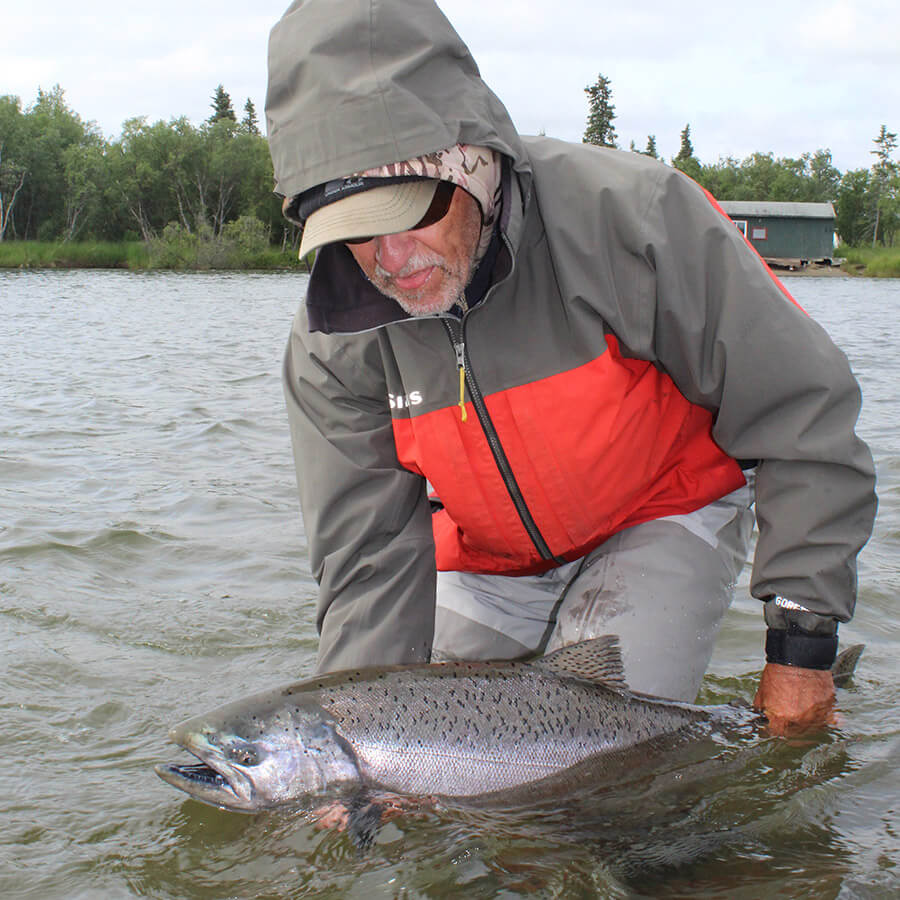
(455, 284)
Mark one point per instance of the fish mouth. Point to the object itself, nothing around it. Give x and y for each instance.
(211, 780)
(196, 775)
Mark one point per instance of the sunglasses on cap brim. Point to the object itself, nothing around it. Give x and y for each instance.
(440, 205)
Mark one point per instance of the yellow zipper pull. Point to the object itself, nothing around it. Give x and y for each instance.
(462, 393)
(461, 365)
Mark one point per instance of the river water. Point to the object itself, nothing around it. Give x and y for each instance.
(153, 565)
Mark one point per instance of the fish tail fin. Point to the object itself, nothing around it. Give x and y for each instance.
(845, 664)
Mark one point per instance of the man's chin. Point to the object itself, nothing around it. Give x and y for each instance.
(426, 307)
(425, 303)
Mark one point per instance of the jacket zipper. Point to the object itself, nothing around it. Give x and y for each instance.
(456, 333)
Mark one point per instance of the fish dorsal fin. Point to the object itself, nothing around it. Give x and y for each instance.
(599, 660)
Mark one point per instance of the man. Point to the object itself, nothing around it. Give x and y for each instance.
(533, 383)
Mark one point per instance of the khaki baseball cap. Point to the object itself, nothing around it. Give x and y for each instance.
(358, 207)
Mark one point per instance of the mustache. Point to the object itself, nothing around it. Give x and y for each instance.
(418, 261)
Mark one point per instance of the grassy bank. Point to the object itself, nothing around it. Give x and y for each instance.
(73, 255)
(140, 255)
(880, 262)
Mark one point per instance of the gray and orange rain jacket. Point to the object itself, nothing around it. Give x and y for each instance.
(624, 352)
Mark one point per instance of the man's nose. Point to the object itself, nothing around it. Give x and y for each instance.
(392, 251)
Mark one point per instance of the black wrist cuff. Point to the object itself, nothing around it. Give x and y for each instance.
(794, 647)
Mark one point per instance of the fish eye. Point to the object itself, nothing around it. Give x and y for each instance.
(243, 755)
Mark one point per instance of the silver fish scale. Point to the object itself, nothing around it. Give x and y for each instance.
(462, 729)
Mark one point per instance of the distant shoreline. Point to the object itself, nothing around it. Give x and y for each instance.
(882, 262)
(834, 272)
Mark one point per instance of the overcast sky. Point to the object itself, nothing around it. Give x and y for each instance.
(776, 75)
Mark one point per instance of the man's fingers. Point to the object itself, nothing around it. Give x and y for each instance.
(332, 815)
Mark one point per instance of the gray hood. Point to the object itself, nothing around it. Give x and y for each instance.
(355, 84)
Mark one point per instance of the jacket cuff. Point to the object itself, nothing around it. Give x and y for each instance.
(799, 648)
(797, 636)
(782, 614)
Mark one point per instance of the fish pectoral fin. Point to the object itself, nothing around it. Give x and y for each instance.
(368, 809)
(598, 660)
(364, 815)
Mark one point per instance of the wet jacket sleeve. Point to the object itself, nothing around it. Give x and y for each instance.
(366, 518)
(781, 393)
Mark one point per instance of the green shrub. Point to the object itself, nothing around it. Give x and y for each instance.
(875, 262)
(242, 244)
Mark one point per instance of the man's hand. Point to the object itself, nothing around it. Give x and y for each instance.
(361, 816)
(332, 815)
(792, 698)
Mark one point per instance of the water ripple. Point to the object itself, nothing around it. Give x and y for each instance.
(153, 565)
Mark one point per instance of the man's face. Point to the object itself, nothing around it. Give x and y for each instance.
(425, 270)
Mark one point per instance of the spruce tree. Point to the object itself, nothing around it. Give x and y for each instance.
(686, 150)
(221, 106)
(601, 112)
(685, 159)
(249, 123)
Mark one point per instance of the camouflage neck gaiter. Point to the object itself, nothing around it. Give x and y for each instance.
(476, 169)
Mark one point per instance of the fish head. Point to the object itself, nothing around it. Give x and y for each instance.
(261, 752)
